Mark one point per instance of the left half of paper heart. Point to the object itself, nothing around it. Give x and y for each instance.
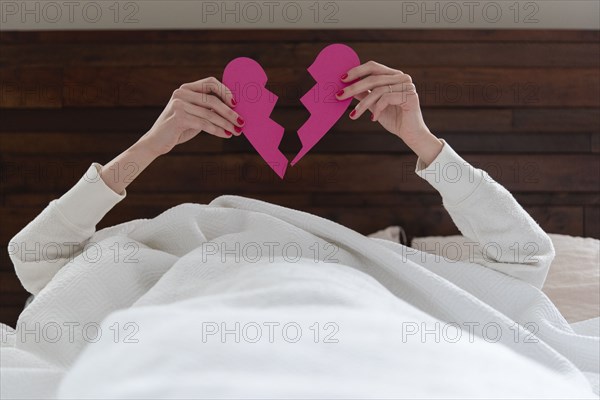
(247, 79)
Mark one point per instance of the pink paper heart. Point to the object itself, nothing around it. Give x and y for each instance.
(247, 79)
(325, 109)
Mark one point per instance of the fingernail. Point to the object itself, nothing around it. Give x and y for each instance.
(240, 121)
(228, 133)
(341, 92)
(237, 129)
(372, 117)
(233, 101)
(353, 113)
(344, 76)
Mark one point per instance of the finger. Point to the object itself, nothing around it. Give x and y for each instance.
(371, 83)
(368, 101)
(405, 87)
(382, 103)
(213, 117)
(360, 96)
(204, 125)
(211, 102)
(212, 85)
(368, 68)
(396, 99)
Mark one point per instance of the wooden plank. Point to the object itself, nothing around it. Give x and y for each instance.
(394, 54)
(12, 294)
(516, 143)
(16, 300)
(25, 87)
(557, 120)
(440, 120)
(141, 119)
(440, 87)
(242, 173)
(9, 283)
(595, 143)
(477, 54)
(128, 87)
(101, 144)
(491, 87)
(79, 120)
(299, 35)
(10, 314)
(109, 144)
(592, 221)
(558, 198)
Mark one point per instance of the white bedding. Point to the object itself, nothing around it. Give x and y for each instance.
(393, 311)
(170, 359)
(573, 281)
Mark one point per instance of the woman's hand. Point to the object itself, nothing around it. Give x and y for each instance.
(204, 105)
(201, 106)
(392, 98)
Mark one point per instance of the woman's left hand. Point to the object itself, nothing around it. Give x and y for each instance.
(390, 95)
(392, 98)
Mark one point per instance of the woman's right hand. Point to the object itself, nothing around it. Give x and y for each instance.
(201, 106)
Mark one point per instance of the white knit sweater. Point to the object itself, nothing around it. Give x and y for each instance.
(179, 277)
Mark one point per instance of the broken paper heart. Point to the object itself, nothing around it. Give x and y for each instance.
(247, 79)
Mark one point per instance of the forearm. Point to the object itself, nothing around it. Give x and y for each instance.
(200, 106)
(124, 168)
(61, 231)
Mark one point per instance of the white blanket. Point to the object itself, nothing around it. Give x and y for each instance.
(241, 298)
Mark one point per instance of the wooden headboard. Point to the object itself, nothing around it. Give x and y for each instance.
(524, 105)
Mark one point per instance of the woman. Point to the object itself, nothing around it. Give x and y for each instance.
(241, 298)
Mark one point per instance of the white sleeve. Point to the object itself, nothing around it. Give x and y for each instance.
(500, 233)
(61, 230)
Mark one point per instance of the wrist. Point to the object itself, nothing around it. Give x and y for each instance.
(425, 145)
(123, 169)
(416, 139)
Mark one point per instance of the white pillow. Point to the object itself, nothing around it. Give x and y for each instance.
(392, 233)
(573, 282)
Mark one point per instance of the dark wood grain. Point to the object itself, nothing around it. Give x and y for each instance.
(592, 221)
(440, 120)
(102, 144)
(438, 87)
(242, 173)
(414, 54)
(31, 87)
